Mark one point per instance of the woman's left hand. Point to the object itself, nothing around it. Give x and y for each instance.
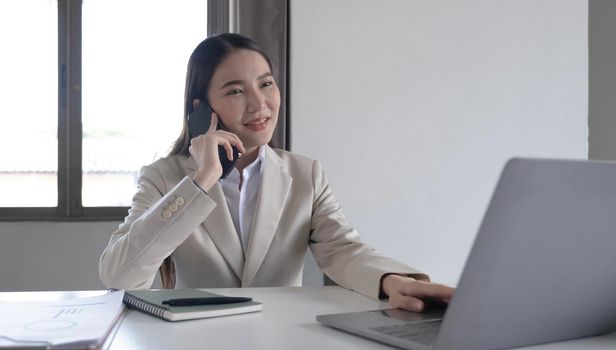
(410, 294)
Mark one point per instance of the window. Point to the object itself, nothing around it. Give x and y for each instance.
(92, 90)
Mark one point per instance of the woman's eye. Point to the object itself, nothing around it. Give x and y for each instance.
(234, 92)
(267, 83)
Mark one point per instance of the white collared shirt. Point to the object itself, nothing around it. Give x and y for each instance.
(242, 202)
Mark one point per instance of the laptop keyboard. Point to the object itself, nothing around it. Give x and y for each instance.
(422, 332)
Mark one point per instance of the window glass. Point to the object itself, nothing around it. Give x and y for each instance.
(29, 108)
(134, 66)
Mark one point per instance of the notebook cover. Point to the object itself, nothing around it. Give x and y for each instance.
(150, 302)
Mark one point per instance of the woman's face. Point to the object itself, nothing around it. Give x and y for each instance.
(244, 95)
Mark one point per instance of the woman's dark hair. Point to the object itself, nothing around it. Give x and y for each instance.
(202, 64)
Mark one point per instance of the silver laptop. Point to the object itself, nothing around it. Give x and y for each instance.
(542, 268)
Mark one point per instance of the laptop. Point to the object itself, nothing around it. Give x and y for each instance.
(542, 267)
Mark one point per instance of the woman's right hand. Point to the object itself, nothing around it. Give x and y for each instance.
(204, 149)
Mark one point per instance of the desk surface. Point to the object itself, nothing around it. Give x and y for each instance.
(286, 322)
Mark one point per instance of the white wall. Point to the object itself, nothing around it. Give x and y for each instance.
(414, 106)
(52, 255)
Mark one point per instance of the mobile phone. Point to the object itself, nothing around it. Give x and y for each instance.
(198, 123)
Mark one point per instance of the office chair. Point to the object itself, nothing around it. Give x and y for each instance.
(312, 275)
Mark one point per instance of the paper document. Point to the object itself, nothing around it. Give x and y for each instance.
(79, 323)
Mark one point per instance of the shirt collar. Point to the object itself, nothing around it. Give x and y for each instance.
(250, 169)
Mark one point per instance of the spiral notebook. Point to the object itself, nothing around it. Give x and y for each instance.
(151, 302)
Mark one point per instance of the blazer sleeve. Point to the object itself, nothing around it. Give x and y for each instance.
(157, 222)
(338, 249)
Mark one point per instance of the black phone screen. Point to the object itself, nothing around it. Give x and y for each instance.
(198, 124)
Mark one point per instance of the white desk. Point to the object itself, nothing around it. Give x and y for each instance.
(286, 322)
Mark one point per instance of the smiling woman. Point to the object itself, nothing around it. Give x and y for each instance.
(252, 228)
(245, 101)
(246, 96)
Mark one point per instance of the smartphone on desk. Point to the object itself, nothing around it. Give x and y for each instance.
(198, 124)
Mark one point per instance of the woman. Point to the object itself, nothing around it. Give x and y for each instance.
(251, 228)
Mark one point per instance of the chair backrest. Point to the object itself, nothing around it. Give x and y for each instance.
(312, 275)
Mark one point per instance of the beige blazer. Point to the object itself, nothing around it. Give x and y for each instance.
(172, 217)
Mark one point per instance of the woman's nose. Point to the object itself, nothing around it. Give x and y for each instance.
(256, 101)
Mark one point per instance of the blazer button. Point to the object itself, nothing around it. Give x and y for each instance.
(179, 201)
(166, 214)
(173, 207)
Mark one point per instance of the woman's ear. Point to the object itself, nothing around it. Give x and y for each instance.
(196, 103)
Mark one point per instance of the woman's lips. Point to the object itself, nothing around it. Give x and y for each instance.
(258, 125)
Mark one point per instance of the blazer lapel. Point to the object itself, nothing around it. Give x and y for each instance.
(219, 225)
(273, 193)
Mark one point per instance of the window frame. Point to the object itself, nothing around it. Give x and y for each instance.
(239, 16)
